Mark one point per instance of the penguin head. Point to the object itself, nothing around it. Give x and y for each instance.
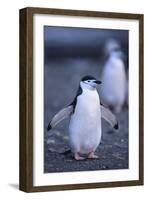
(113, 49)
(89, 82)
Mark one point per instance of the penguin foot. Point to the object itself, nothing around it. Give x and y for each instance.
(91, 155)
(78, 157)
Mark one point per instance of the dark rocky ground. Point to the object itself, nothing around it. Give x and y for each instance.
(62, 74)
(113, 150)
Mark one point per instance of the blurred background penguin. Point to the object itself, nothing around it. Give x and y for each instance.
(114, 84)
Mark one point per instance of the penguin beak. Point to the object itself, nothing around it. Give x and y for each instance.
(98, 82)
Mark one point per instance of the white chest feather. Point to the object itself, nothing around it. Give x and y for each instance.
(85, 123)
(113, 82)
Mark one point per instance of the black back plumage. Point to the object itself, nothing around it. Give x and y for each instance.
(79, 92)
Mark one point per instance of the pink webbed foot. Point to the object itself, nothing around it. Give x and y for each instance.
(78, 157)
(91, 155)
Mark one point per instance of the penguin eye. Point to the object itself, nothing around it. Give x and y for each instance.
(87, 81)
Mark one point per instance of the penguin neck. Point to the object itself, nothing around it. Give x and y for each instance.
(116, 55)
(89, 96)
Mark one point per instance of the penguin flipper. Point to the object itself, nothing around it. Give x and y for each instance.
(61, 115)
(109, 117)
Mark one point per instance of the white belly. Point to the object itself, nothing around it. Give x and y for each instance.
(85, 123)
(113, 88)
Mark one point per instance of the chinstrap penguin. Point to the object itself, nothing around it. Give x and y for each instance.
(113, 90)
(85, 114)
